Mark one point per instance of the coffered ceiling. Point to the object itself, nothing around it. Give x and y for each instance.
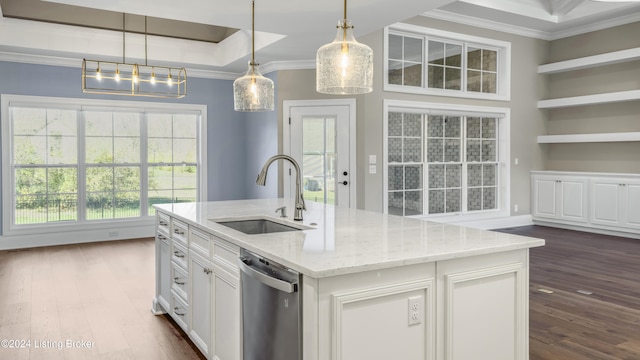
(212, 37)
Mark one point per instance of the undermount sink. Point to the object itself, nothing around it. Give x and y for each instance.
(258, 226)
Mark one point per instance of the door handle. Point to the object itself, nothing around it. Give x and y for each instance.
(245, 267)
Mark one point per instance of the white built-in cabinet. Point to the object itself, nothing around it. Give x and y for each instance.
(197, 284)
(591, 201)
(616, 202)
(560, 197)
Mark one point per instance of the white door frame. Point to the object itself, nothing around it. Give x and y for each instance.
(286, 135)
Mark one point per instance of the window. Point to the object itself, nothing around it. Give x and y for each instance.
(436, 62)
(73, 162)
(441, 161)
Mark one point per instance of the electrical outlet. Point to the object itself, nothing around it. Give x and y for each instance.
(515, 208)
(415, 310)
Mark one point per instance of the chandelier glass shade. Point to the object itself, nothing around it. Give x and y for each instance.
(345, 66)
(253, 92)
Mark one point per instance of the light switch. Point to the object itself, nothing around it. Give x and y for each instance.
(372, 160)
(372, 169)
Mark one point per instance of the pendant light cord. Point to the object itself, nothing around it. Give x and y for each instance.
(123, 37)
(253, 32)
(145, 41)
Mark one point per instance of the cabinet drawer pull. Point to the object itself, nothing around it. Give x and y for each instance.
(162, 237)
(178, 281)
(163, 223)
(207, 271)
(178, 254)
(175, 311)
(178, 232)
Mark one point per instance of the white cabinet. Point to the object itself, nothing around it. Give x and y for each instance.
(227, 319)
(163, 273)
(200, 270)
(616, 202)
(599, 202)
(483, 307)
(557, 197)
(198, 285)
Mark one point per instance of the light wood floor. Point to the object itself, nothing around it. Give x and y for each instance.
(99, 292)
(102, 293)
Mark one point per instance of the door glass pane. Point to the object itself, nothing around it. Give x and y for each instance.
(319, 158)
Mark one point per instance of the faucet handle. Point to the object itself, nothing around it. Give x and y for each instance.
(283, 211)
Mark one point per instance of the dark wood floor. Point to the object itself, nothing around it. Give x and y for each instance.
(102, 293)
(570, 325)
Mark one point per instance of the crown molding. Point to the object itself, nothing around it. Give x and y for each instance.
(532, 33)
(191, 72)
(487, 24)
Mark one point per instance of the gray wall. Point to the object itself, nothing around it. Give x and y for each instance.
(526, 120)
(606, 118)
(236, 141)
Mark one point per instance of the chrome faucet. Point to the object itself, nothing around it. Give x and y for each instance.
(262, 180)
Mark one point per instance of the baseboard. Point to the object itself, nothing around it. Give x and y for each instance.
(588, 229)
(492, 223)
(12, 242)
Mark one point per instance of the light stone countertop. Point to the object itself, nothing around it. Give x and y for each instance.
(345, 240)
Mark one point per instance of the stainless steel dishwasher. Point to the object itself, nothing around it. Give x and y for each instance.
(271, 319)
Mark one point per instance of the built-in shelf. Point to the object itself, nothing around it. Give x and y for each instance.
(613, 97)
(591, 61)
(589, 138)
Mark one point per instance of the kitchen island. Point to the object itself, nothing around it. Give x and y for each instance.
(373, 286)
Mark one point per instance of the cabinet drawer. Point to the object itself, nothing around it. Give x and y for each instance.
(179, 231)
(200, 242)
(179, 312)
(163, 222)
(179, 254)
(180, 282)
(226, 252)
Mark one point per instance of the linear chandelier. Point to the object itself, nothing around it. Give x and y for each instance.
(113, 78)
(252, 91)
(345, 66)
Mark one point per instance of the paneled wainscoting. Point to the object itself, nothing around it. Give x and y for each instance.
(101, 293)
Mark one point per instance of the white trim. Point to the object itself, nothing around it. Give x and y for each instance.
(504, 62)
(62, 233)
(631, 234)
(504, 153)
(106, 232)
(191, 72)
(286, 135)
(532, 33)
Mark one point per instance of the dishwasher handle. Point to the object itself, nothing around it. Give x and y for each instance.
(284, 286)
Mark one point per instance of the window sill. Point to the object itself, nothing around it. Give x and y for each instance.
(445, 93)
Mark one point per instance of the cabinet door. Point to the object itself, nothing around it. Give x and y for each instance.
(544, 197)
(632, 204)
(573, 199)
(605, 208)
(200, 271)
(227, 320)
(163, 272)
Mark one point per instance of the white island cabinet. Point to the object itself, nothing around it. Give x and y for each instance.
(373, 286)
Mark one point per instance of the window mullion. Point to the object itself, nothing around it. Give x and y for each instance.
(144, 166)
(463, 161)
(82, 167)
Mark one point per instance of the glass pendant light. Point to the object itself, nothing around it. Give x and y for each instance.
(253, 92)
(344, 67)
